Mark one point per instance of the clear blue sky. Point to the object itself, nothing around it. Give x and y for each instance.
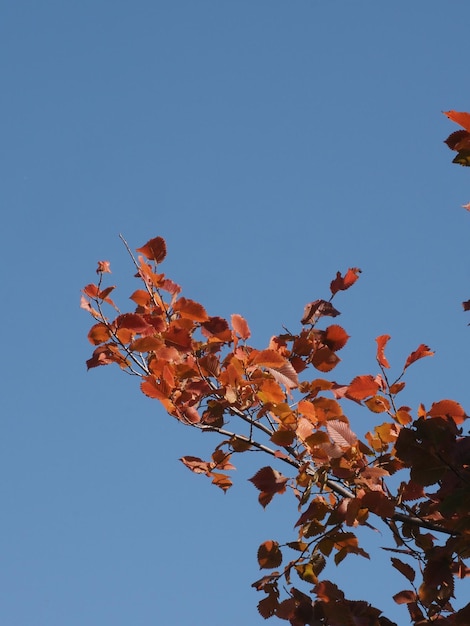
(271, 143)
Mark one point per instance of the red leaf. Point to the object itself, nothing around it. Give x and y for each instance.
(419, 353)
(340, 283)
(466, 304)
(460, 118)
(381, 343)
(218, 327)
(154, 250)
(240, 326)
(269, 482)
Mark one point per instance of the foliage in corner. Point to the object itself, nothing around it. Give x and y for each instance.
(278, 399)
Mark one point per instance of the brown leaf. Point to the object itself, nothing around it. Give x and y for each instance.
(269, 555)
(269, 482)
(405, 597)
(404, 569)
(314, 310)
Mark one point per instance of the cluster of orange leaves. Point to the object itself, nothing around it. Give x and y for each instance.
(205, 374)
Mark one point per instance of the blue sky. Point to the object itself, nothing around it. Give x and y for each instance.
(271, 143)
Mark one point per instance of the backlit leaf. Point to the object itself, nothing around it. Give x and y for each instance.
(381, 343)
(340, 433)
(190, 310)
(460, 118)
(340, 283)
(448, 408)
(420, 352)
(154, 249)
(267, 358)
(362, 387)
(240, 326)
(99, 333)
(335, 337)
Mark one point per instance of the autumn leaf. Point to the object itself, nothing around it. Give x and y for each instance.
(154, 249)
(341, 283)
(269, 555)
(362, 387)
(448, 408)
(405, 597)
(269, 482)
(420, 352)
(315, 310)
(460, 118)
(381, 343)
(240, 326)
(335, 337)
(190, 310)
(104, 267)
(404, 569)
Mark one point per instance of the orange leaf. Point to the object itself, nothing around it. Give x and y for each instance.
(154, 249)
(240, 326)
(381, 343)
(340, 283)
(335, 337)
(269, 391)
(267, 358)
(141, 297)
(419, 353)
(191, 310)
(269, 555)
(103, 267)
(99, 333)
(362, 387)
(221, 480)
(448, 408)
(460, 118)
(377, 404)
